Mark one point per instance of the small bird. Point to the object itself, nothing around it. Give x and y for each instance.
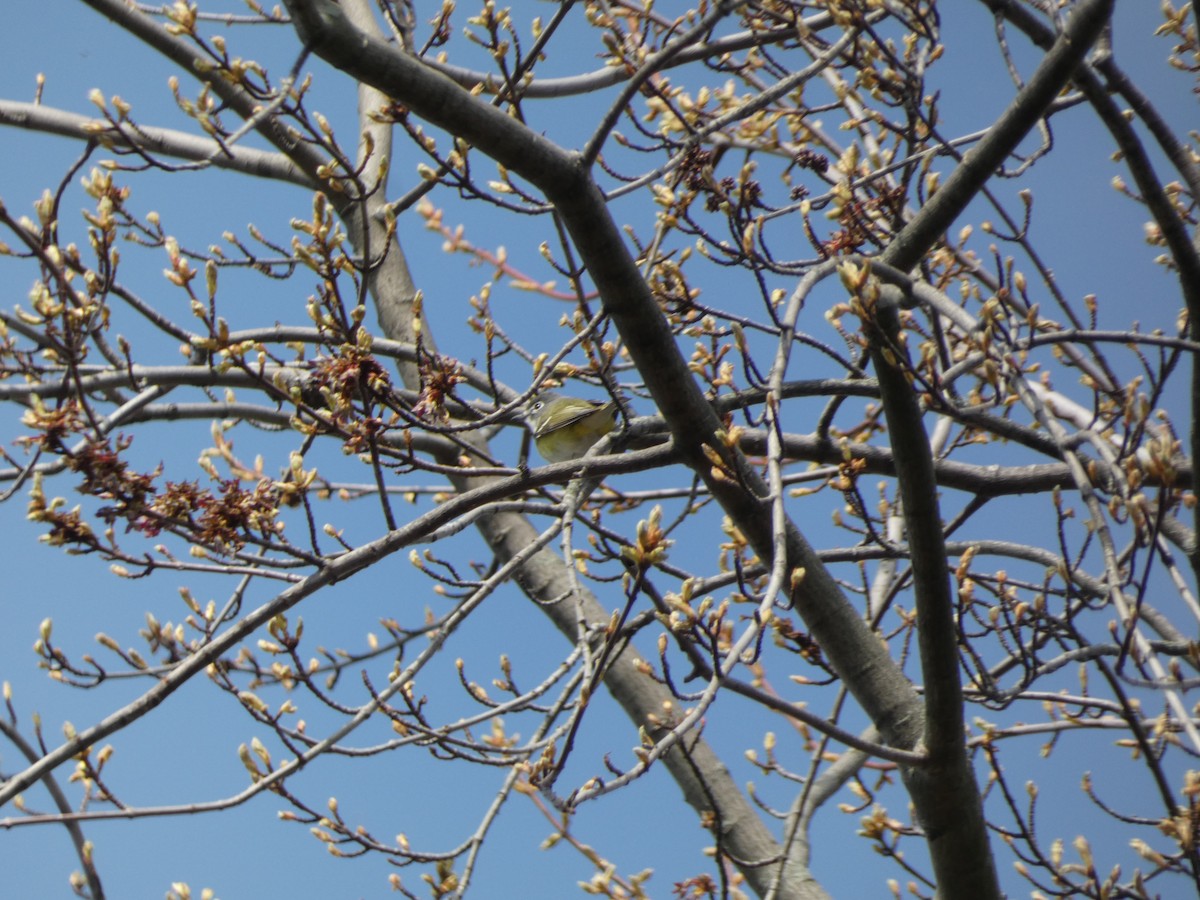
(566, 427)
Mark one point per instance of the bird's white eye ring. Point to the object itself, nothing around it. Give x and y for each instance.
(537, 406)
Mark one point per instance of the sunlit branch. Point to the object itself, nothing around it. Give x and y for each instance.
(149, 139)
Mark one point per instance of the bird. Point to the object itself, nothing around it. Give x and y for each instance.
(565, 428)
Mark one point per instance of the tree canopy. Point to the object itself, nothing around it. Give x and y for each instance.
(887, 573)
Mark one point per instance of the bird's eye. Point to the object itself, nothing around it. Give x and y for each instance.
(537, 406)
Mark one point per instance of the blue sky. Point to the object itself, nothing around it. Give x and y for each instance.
(186, 751)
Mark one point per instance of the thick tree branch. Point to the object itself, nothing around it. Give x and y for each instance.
(945, 794)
